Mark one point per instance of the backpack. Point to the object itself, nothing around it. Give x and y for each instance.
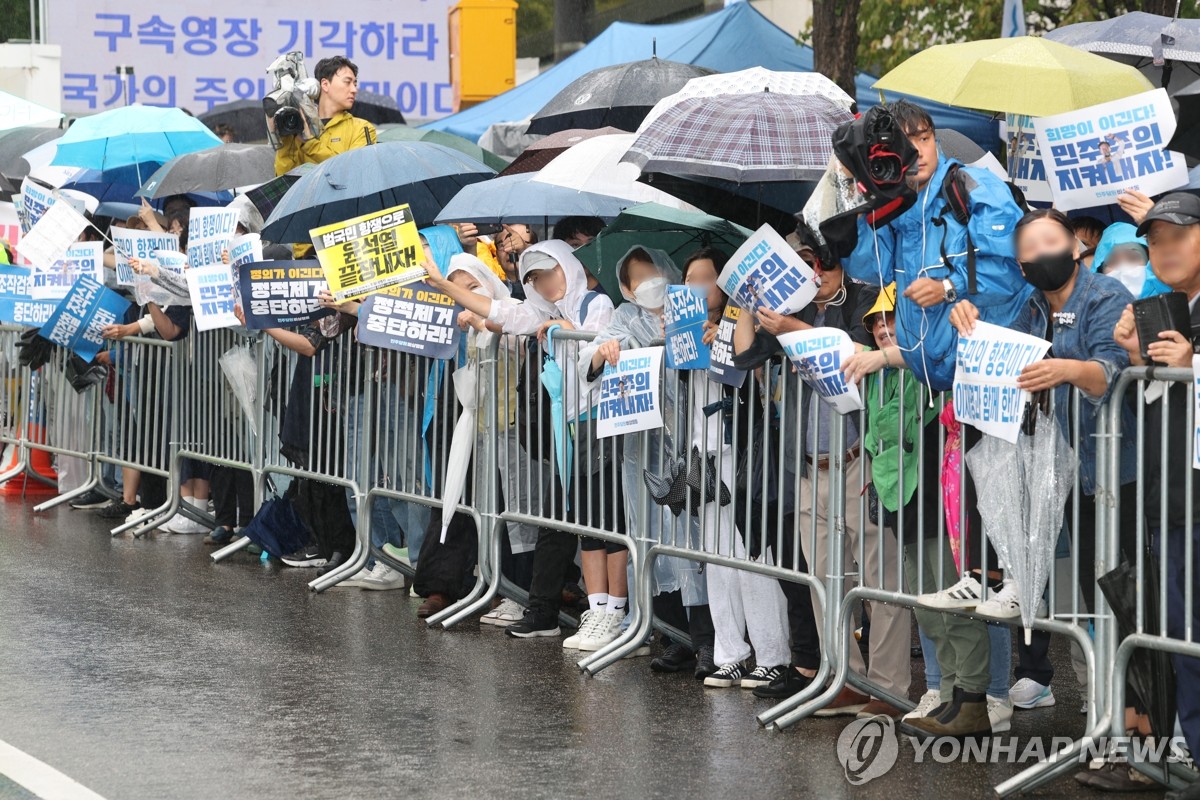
(956, 191)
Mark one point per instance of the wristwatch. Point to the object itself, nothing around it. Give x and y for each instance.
(951, 293)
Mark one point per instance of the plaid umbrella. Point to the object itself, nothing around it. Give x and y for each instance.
(742, 138)
(267, 196)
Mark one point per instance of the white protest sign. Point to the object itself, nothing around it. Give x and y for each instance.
(210, 233)
(53, 283)
(1093, 154)
(211, 289)
(986, 394)
(245, 249)
(48, 240)
(629, 393)
(35, 199)
(818, 354)
(140, 245)
(1025, 167)
(765, 271)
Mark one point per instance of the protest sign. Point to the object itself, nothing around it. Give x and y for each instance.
(685, 314)
(141, 245)
(629, 393)
(245, 249)
(370, 253)
(211, 289)
(16, 304)
(210, 231)
(1093, 154)
(765, 271)
(721, 368)
(818, 354)
(986, 394)
(1026, 169)
(86, 258)
(35, 199)
(281, 294)
(81, 315)
(417, 319)
(48, 240)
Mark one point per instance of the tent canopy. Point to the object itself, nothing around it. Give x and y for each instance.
(735, 38)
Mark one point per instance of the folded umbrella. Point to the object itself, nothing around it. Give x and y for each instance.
(517, 198)
(545, 150)
(215, 169)
(131, 135)
(552, 380)
(462, 441)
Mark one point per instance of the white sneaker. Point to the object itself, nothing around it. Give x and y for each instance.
(641, 652)
(607, 629)
(383, 578)
(358, 579)
(964, 594)
(589, 621)
(1002, 604)
(1028, 693)
(182, 524)
(1000, 713)
(136, 514)
(504, 614)
(928, 702)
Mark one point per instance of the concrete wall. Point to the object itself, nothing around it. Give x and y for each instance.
(32, 71)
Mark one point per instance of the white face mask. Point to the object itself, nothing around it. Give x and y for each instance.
(651, 293)
(1132, 275)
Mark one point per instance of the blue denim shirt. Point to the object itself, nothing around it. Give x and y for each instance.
(1083, 331)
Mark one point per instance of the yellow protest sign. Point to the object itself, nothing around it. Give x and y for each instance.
(369, 254)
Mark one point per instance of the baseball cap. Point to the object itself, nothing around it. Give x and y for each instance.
(1179, 208)
(535, 261)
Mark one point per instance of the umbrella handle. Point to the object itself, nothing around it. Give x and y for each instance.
(550, 338)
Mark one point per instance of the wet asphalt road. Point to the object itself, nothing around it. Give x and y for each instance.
(142, 670)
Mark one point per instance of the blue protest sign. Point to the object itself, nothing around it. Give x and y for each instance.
(685, 313)
(85, 311)
(415, 319)
(16, 305)
(281, 294)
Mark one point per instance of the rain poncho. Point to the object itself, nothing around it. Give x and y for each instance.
(1122, 233)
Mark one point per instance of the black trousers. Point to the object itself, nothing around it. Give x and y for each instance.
(696, 620)
(233, 497)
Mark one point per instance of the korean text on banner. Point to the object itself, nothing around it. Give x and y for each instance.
(85, 258)
(629, 393)
(1093, 154)
(141, 245)
(1026, 169)
(721, 368)
(245, 249)
(16, 305)
(818, 354)
(417, 319)
(986, 394)
(211, 289)
(765, 271)
(58, 229)
(370, 253)
(281, 294)
(210, 233)
(685, 314)
(80, 317)
(35, 199)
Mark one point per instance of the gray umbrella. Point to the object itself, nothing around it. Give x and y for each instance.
(1140, 39)
(16, 143)
(213, 170)
(620, 96)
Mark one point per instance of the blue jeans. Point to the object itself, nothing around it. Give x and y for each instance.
(1000, 639)
(1187, 669)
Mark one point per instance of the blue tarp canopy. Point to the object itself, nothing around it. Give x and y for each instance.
(735, 38)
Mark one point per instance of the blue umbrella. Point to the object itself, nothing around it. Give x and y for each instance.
(552, 380)
(132, 135)
(120, 186)
(370, 179)
(518, 198)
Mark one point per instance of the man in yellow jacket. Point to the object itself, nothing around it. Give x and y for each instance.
(338, 77)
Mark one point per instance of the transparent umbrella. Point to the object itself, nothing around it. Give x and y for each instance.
(462, 441)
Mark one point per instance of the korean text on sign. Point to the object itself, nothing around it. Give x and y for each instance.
(370, 253)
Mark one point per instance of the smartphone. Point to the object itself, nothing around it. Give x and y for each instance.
(1163, 312)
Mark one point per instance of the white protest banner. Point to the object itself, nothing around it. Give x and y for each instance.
(85, 258)
(1025, 166)
(210, 232)
(211, 289)
(140, 245)
(684, 317)
(765, 271)
(721, 368)
(245, 249)
(58, 229)
(35, 199)
(986, 394)
(818, 354)
(629, 393)
(1093, 154)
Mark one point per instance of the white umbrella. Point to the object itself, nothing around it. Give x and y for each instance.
(16, 112)
(39, 159)
(595, 165)
(749, 81)
(462, 442)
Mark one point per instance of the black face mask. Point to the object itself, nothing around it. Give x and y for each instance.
(1051, 272)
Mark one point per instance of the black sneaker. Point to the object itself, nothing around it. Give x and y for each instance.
(219, 536)
(117, 509)
(675, 658)
(308, 556)
(533, 626)
(728, 675)
(763, 676)
(789, 683)
(705, 665)
(90, 499)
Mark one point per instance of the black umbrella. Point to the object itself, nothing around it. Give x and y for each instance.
(1187, 130)
(19, 141)
(250, 124)
(749, 204)
(620, 96)
(543, 151)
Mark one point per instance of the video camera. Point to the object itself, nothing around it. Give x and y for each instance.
(293, 101)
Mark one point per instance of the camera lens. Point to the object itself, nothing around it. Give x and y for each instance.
(288, 121)
(885, 167)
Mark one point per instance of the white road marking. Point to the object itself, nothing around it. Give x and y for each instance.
(41, 779)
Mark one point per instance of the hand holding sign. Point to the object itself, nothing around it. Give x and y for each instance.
(766, 272)
(818, 355)
(987, 393)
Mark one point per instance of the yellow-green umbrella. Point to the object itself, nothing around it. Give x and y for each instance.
(1019, 75)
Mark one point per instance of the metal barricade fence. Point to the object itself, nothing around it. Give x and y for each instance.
(65, 423)
(14, 405)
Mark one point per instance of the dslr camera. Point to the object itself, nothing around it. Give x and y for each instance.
(293, 101)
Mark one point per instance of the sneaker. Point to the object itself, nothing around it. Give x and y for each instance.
(675, 658)
(90, 499)
(964, 594)
(640, 652)
(137, 514)
(788, 683)
(533, 626)
(965, 715)
(728, 675)
(1002, 604)
(356, 580)
(221, 536)
(1027, 693)
(763, 676)
(383, 578)
(308, 556)
(606, 631)
(184, 525)
(847, 703)
(590, 620)
(705, 665)
(925, 706)
(1116, 777)
(504, 614)
(397, 554)
(117, 509)
(1000, 711)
